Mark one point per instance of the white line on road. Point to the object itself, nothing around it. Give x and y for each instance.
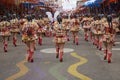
(117, 42)
(115, 48)
(53, 50)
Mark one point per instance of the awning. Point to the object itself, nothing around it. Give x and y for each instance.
(110, 1)
(17, 2)
(7, 2)
(27, 4)
(92, 3)
(41, 3)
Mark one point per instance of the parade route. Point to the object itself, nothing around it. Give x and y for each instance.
(80, 62)
(59, 39)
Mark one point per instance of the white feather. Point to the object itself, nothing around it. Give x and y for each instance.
(49, 14)
(55, 15)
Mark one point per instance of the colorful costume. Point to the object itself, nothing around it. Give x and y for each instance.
(14, 30)
(29, 39)
(59, 41)
(5, 33)
(75, 30)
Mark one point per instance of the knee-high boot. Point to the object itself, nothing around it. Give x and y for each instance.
(5, 47)
(86, 37)
(105, 54)
(46, 33)
(61, 55)
(100, 45)
(14, 41)
(35, 45)
(31, 56)
(50, 34)
(57, 52)
(97, 43)
(28, 51)
(76, 40)
(40, 41)
(109, 57)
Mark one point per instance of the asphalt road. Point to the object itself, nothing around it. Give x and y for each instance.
(82, 62)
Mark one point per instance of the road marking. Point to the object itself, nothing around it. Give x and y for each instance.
(115, 48)
(73, 68)
(117, 42)
(55, 73)
(47, 62)
(53, 50)
(23, 71)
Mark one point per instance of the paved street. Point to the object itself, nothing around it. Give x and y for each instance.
(82, 62)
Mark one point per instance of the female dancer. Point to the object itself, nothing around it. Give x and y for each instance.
(108, 43)
(29, 37)
(75, 30)
(59, 41)
(5, 32)
(14, 30)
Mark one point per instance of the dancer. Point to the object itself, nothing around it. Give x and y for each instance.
(59, 38)
(108, 44)
(14, 29)
(29, 37)
(75, 30)
(59, 41)
(5, 32)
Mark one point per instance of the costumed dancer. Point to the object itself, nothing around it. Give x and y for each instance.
(86, 30)
(108, 43)
(98, 35)
(115, 30)
(29, 37)
(91, 23)
(59, 39)
(95, 33)
(40, 32)
(75, 30)
(35, 26)
(46, 25)
(5, 32)
(14, 29)
(67, 28)
(92, 32)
